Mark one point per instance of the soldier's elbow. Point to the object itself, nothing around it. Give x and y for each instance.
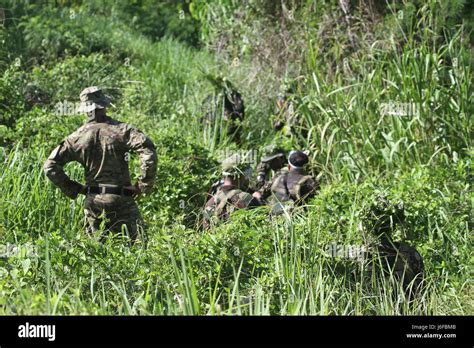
(48, 169)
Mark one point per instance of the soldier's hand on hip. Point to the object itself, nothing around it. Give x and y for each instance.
(136, 192)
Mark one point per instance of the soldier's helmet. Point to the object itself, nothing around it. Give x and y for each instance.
(272, 157)
(271, 152)
(93, 98)
(297, 159)
(235, 166)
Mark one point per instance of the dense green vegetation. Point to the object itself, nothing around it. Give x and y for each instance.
(383, 92)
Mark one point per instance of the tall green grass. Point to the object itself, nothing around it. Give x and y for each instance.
(252, 266)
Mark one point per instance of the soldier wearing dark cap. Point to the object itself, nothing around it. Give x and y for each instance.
(294, 185)
(231, 195)
(102, 146)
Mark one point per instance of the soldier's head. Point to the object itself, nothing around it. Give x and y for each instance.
(35, 95)
(236, 172)
(297, 160)
(275, 161)
(380, 218)
(94, 103)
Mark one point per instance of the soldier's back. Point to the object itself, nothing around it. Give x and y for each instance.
(402, 261)
(226, 200)
(406, 262)
(294, 185)
(102, 148)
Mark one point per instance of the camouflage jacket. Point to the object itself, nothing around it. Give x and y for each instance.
(103, 149)
(264, 181)
(294, 185)
(227, 199)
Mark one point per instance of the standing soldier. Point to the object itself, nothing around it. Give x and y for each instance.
(229, 103)
(231, 195)
(103, 146)
(294, 185)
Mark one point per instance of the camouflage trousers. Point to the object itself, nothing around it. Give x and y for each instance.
(115, 213)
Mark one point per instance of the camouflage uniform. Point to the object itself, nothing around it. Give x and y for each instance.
(294, 185)
(285, 114)
(272, 164)
(228, 197)
(404, 261)
(287, 118)
(225, 201)
(102, 148)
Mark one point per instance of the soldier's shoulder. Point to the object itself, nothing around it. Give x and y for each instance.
(409, 250)
(127, 127)
(79, 131)
(279, 178)
(312, 181)
(113, 123)
(282, 171)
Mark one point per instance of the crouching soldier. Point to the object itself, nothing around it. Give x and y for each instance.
(102, 146)
(389, 257)
(231, 195)
(272, 165)
(293, 186)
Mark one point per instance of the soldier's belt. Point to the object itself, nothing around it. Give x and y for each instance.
(114, 190)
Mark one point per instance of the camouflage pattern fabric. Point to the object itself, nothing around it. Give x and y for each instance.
(234, 114)
(406, 262)
(294, 185)
(265, 188)
(224, 202)
(403, 261)
(272, 164)
(103, 149)
(115, 212)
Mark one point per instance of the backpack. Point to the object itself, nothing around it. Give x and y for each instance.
(221, 206)
(280, 185)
